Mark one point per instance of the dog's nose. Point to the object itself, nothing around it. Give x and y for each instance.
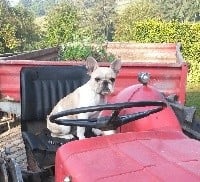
(105, 83)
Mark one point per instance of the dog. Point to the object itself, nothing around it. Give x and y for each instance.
(94, 92)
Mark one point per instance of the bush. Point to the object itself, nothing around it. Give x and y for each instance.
(155, 31)
(80, 51)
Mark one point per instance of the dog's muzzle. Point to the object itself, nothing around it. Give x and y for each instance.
(105, 88)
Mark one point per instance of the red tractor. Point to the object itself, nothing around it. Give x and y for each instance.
(148, 143)
(150, 134)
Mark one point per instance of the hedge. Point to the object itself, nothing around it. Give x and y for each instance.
(156, 31)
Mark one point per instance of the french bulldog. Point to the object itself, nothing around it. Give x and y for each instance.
(92, 93)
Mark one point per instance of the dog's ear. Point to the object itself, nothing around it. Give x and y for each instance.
(116, 65)
(91, 64)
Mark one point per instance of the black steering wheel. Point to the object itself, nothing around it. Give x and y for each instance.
(108, 122)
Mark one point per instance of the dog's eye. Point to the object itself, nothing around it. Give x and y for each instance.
(112, 79)
(97, 79)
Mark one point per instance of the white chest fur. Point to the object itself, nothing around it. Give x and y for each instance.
(88, 97)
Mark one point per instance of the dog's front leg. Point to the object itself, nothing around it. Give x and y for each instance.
(81, 130)
(96, 131)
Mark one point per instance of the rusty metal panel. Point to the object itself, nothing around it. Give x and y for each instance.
(50, 54)
(163, 61)
(144, 52)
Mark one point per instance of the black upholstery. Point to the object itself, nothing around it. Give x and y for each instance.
(42, 87)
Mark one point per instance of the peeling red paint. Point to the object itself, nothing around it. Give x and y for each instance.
(169, 78)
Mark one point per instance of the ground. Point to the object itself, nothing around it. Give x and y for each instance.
(193, 97)
(12, 142)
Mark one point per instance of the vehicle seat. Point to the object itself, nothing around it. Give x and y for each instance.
(41, 87)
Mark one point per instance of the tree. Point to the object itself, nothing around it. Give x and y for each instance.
(97, 18)
(27, 32)
(26, 3)
(17, 29)
(62, 24)
(39, 7)
(180, 10)
(8, 40)
(139, 10)
(135, 12)
(100, 17)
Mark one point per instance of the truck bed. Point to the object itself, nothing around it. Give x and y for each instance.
(168, 78)
(163, 61)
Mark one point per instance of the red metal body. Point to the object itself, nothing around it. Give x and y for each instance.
(150, 149)
(161, 155)
(164, 119)
(168, 78)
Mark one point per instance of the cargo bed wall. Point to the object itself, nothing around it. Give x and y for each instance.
(146, 52)
(168, 76)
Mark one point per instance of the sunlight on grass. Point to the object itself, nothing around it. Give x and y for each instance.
(193, 97)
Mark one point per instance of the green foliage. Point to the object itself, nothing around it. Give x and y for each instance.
(191, 52)
(75, 51)
(100, 18)
(8, 40)
(138, 10)
(17, 29)
(27, 32)
(93, 20)
(38, 7)
(80, 51)
(62, 24)
(193, 97)
(179, 10)
(96, 19)
(151, 30)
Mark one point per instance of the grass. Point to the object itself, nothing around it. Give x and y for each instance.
(193, 97)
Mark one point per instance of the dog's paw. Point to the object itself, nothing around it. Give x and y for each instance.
(97, 132)
(81, 137)
(81, 132)
(67, 137)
